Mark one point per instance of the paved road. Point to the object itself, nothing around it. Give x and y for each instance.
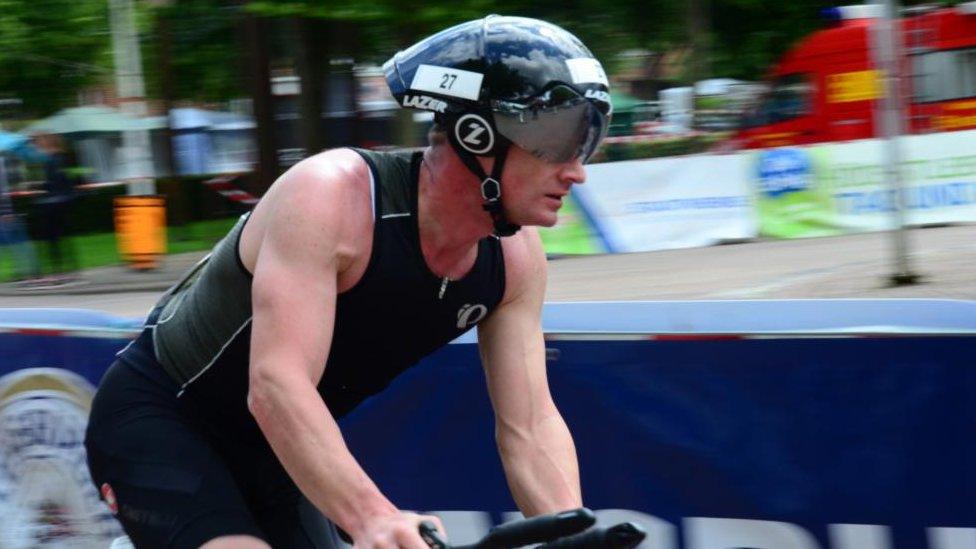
(853, 266)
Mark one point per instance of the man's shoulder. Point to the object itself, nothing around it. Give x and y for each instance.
(324, 182)
(336, 167)
(524, 247)
(329, 191)
(322, 204)
(525, 262)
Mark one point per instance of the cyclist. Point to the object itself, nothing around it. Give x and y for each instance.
(217, 426)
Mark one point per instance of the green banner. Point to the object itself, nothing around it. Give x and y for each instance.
(572, 233)
(791, 199)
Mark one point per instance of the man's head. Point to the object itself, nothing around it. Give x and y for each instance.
(505, 87)
(47, 142)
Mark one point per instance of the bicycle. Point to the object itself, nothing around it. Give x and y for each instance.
(566, 530)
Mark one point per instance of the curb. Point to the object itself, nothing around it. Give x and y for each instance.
(87, 289)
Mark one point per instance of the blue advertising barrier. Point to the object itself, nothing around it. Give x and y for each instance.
(841, 424)
(772, 425)
(83, 342)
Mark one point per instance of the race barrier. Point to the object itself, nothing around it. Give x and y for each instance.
(683, 202)
(836, 424)
(50, 362)
(793, 192)
(842, 188)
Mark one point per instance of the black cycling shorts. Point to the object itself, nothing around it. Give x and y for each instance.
(173, 482)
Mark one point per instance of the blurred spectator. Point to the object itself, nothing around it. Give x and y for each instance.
(13, 235)
(54, 206)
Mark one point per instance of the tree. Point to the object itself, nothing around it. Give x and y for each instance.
(205, 50)
(49, 49)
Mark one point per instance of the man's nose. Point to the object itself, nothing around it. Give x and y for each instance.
(573, 172)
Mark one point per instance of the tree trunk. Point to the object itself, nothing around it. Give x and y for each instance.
(255, 33)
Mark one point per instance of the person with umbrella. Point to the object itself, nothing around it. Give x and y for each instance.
(54, 206)
(13, 234)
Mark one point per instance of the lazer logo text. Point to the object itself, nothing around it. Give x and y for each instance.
(424, 102)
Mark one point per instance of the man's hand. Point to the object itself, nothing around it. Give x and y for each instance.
(400, 531)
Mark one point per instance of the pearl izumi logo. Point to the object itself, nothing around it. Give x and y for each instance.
(474, 134)
(469, 315)
(424, 102)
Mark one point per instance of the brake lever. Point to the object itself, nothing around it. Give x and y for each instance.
(432, 536)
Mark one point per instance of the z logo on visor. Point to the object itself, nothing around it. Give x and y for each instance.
(474, 134)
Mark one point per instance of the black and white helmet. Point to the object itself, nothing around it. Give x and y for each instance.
(500, 81)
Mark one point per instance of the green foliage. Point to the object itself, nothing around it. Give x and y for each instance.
(349, 10)
(51, 48)
(206, 53)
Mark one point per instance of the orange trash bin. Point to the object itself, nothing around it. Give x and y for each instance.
(140, 229)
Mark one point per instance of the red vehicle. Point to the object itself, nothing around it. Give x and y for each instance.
(826, 88)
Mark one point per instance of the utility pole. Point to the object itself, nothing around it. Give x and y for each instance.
(891, 118)
(131, 90)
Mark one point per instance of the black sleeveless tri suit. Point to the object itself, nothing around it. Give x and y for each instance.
(170, 439)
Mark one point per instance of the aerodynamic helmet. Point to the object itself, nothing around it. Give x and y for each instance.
(499, 81)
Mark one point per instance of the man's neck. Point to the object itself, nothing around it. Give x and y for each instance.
(451, 217)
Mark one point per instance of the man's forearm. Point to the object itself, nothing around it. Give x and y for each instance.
(540, 465)
(307, 440)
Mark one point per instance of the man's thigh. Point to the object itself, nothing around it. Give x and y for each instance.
(159, 476)
(171, 483)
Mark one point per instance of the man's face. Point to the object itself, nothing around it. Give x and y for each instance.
(49, 143)
(40, 141)
(533, 190)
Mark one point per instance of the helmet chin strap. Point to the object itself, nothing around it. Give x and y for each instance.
(491, 188)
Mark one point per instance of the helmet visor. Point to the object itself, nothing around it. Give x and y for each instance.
(557, 126)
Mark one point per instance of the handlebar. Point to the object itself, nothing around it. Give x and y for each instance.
(556, 531)
(625, 535)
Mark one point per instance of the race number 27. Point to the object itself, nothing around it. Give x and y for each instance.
(448, 80)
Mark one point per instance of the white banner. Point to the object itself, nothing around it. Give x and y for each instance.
(938, 173)
(682, 202)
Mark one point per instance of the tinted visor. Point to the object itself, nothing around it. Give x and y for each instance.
(557, 126)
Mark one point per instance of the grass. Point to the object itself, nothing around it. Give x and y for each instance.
(100, 249)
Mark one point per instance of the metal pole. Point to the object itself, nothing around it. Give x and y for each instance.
(136, 148)
(888, 59)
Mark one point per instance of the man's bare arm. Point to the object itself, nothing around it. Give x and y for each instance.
(535, 445)
(294, 298)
